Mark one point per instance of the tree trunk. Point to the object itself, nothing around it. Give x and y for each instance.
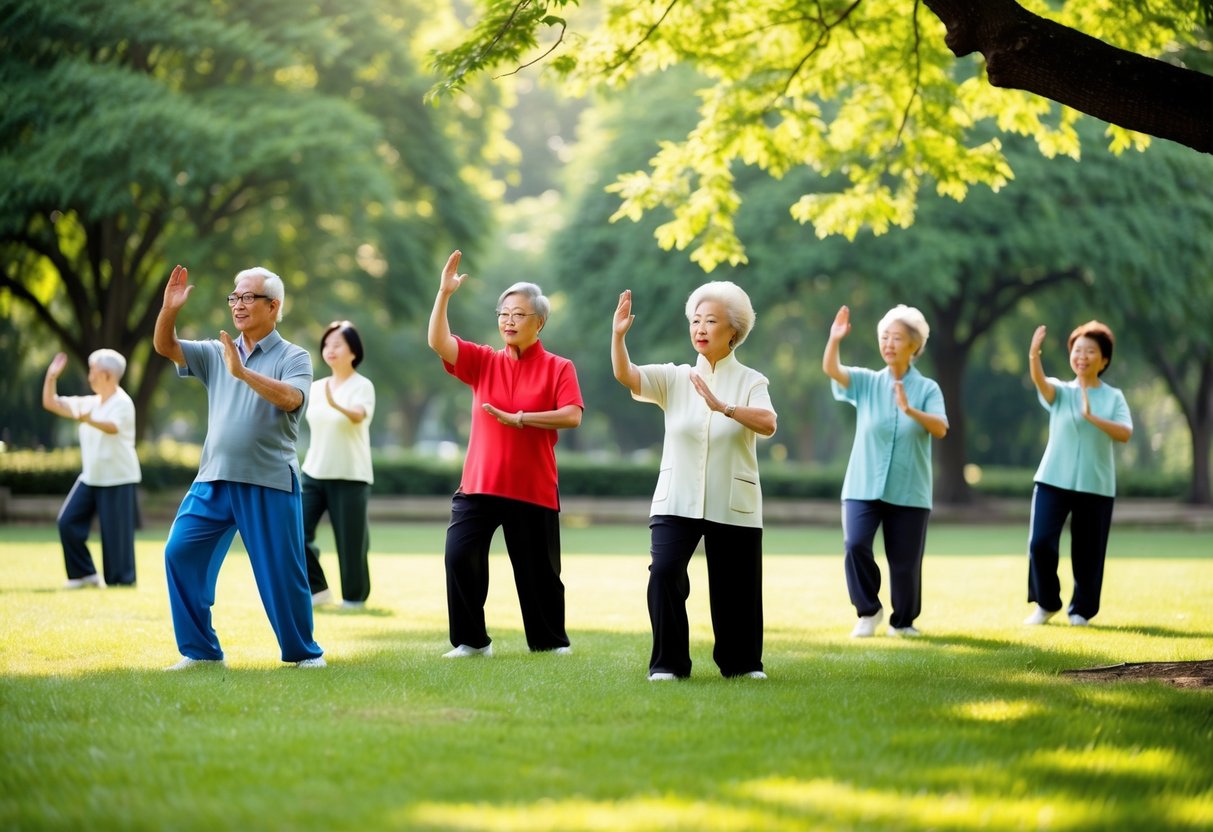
(949, 453)
(1201, 428)
(1027, 52)
(143, 395)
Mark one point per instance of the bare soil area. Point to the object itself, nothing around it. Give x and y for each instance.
(1197, 674)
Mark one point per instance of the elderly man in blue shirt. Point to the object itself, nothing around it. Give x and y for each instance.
(248, 479)
(888, 479)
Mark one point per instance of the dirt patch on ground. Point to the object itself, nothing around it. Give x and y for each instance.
(1198, 674)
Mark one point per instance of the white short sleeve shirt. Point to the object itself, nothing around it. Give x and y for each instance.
(709, 462)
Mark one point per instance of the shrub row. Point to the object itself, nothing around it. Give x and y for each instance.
(168, 467)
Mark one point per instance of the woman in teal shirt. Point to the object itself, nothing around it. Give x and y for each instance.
(1077, 475)
(888, 480)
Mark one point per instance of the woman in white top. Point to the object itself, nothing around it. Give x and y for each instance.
(708, 485)
(110, 472)
(337, 473)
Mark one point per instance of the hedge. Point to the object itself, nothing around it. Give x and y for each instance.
(170, 467)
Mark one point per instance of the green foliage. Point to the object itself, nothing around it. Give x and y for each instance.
(140, 134)
(868, 91)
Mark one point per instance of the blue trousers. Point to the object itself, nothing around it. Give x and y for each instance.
(270, 523)
(734, 561)
(905, 539)
(1090, 522)
(117, 510)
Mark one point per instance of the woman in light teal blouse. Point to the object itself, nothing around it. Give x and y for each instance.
(888, 480)
(1077, 475)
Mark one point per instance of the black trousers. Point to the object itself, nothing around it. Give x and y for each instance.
(734, 560)
(532, 540)
(117, 509)
(905, 540)
(346, 502)
(1090, 522)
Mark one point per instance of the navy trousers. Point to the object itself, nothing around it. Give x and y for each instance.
(905, 540)
(532, 539)
(734, 561)
(1090, 522)
(117, 510)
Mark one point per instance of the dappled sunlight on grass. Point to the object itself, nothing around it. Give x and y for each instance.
(578, 815)
(997, 710)
(971, 727)
(1144, 763)
(834, 805)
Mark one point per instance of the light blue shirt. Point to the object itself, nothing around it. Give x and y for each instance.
(891, 456)
(1078, 456)
(248, 439)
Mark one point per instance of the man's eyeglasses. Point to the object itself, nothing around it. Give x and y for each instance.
(510, 317)
(245, 298)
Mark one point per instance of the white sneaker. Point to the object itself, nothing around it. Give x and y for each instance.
(324, 596)
(662, 676)
(867, 624)
(351, 605)
(755, 674)
(904, 632)
(1077, 620)
(186, 663)
(1039, 616)
(87, 581)
(463, 652)
(316, 662)
(563, 651)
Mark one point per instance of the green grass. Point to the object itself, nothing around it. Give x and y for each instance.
(971, 727)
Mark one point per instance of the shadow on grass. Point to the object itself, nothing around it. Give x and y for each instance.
(952, 733)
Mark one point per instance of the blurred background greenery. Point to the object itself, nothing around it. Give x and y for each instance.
(138, 135)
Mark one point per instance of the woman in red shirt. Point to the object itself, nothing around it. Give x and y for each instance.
(521, 395)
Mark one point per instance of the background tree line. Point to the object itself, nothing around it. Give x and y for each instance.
(144, 134)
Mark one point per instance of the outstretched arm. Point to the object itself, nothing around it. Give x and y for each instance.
(440, 337)
(829, 361)
(50, 384)
(176, 292)
(1036, 368)
(625, 371)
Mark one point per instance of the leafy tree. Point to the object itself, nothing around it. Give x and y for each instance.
(868, 89)
(220, 135)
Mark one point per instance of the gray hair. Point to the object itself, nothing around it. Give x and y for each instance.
(271, 284)
(912, 320)
(111, 361)
(541, 305)
(736, 304)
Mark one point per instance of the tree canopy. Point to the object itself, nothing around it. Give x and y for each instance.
(222, 135)
(867, 89)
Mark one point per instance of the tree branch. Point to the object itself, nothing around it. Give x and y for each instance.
(1026, 52)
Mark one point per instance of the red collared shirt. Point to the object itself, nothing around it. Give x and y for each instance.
(502, 460)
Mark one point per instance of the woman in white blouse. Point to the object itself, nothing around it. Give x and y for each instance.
(110, 477)
(708, 485)
(337, 473)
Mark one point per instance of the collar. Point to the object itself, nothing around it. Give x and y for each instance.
(704, 367)
(532, 352)
(265, 344)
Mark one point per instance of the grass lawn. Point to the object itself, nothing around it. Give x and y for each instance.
(969, 727)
